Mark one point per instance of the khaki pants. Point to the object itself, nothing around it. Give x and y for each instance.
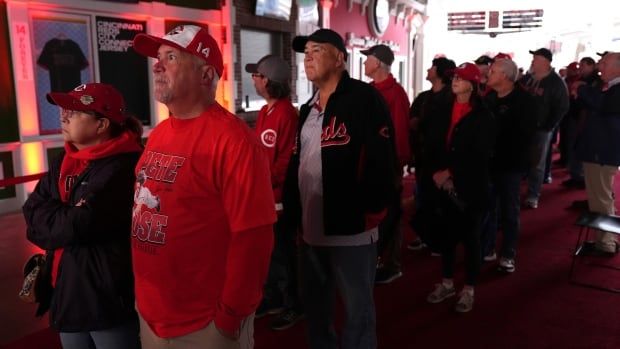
(206, 338)
(599, 187)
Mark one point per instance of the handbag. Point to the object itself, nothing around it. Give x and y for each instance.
(33, 274)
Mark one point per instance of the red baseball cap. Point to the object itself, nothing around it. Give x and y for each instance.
(501, 55)
(94, 97)
(468, 71)
(189, 38)
(573, 66)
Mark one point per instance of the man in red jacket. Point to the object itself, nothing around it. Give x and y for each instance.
(276, 126)
(377, 67)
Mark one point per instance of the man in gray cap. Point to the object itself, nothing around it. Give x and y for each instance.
(276, 126)
(341, 179)
(551, 95)
(377, 67)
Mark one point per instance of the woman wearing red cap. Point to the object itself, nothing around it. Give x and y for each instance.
(465, 182)
(80, 213)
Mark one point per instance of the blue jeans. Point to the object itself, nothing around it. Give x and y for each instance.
(120, 337)
(350, 270)
(504, 204)
(539, 149)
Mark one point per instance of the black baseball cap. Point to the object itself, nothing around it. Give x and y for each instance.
(381, 52)
(484, 60)
(602, 54)
(544, 52)
(323, 36)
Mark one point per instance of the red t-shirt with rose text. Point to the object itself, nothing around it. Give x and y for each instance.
(201, 234)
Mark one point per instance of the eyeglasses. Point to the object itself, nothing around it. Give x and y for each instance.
(258, 75)
(69, 114)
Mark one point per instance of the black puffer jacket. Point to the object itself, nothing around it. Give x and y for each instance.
(94, 287)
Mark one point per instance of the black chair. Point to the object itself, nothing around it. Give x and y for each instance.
(592, 221)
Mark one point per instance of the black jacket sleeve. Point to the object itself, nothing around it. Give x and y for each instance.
(53, 224)
(559, 104)
(380, 167)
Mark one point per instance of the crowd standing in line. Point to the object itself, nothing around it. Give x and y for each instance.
(190, 264)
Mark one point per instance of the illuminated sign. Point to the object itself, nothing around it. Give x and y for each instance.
(23, 63)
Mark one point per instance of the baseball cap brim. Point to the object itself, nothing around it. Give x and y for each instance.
(366, 52)
(299, 43)
(148, 45)
(251, 68)
(66, 101)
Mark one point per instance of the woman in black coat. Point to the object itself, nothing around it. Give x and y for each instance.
(80, 213)
(464, 183)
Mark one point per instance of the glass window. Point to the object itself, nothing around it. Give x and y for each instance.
(255, 44)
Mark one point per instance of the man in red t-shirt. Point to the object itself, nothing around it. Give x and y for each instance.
(377, 67)
(276, 127)
(201, 254)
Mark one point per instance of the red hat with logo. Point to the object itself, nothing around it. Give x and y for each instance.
(189, 38)
(573, 66)
(468, 71)
(94, 97)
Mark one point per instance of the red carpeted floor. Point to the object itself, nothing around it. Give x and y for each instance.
(535, 307)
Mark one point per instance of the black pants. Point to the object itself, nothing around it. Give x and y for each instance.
(461, 226)
(283, 280)
(391, 235)
(427, 221)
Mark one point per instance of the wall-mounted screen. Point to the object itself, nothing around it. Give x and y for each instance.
(279, 9)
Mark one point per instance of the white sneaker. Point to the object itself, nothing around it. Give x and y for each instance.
(465, 302)
(506, 265)
(440, 293)
(490, 257)
(531, 203)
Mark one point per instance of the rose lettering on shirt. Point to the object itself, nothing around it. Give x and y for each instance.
(149, 227)
(156, 235)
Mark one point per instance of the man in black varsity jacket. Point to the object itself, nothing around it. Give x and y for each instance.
(341, 178)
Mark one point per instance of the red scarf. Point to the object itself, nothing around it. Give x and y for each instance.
(76, 161)
(459, 110)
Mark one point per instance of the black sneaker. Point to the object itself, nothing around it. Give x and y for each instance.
(579, 205)
(506, 265)
(573, 183)
(286, 319)
(416, 245)
(268, 307)
(385, 276)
